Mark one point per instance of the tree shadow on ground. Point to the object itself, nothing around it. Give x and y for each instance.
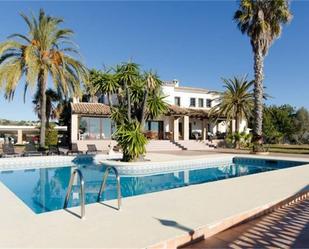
(172, 223)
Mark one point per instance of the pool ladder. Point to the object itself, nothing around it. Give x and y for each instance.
(82, 191)
(102, 188)
(82, 188)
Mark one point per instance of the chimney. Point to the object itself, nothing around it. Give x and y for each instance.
(176, 82)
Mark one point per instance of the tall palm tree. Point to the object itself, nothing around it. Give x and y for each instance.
(236, 102)
(52, 97)
(46, 51)
(262, 21)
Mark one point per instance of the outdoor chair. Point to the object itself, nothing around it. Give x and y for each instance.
(92, 149)
(74, 149)
(9, 151)
(54, 150)
(31, 150)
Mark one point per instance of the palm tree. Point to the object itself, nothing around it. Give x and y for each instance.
(51, 109)
(236, 102)
(262, 21)
(45, 52)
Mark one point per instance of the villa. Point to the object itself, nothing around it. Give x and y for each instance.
(148, 164)
(187, 118)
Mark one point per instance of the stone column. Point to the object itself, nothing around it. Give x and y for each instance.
(176, 129)
(185, 127)
(19, 137)
(74, 128)
(204, 129)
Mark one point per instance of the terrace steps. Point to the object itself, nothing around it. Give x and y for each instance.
(161, 145)
(166, 145)
(195, 145)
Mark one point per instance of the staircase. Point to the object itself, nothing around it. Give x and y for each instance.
(166, 145)
(195, 145)
(161, 145)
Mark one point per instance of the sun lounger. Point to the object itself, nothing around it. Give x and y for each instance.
(92, 149)
(54, 150)
(31, 150)
(74, 150)
(9, 151)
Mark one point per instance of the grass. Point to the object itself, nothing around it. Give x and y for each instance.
(286, 148)
(289, 146)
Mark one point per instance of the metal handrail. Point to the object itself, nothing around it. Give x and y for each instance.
(82, 191)
(102, 188)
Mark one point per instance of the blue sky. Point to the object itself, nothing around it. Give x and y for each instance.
(195, 42)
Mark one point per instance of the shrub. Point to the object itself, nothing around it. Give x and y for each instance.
(131, 140)
(51, 136)
(238, 140)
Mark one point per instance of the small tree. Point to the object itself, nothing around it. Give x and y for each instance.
(51, 136)
(301, 122)
(278, 123)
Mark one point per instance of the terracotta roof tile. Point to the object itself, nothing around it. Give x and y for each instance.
(90, 108)
(101, 109)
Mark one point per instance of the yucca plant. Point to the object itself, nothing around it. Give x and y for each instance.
(44, 52)
(132, 140)
(104, 82)
(139, 98)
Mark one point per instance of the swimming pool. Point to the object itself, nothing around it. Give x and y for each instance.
(44, 189)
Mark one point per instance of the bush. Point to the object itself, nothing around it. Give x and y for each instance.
(238, 140)
(51, 136)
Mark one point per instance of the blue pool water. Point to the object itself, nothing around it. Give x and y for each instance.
(44, 189)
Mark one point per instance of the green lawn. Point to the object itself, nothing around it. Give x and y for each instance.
(288, 148)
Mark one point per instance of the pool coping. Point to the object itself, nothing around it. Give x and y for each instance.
(54, 161)
(151, 168)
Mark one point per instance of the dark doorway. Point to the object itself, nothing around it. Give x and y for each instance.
(190, 131)
(180, 130)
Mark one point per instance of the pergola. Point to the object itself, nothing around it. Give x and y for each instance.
(186, 113)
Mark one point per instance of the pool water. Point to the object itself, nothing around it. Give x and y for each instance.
(44, 189)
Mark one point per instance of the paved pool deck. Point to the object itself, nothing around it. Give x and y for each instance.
(157, 220)
(287, 227)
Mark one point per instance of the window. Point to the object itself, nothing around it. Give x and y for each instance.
(192, 102)
(101, 99)
(177, 101)
(93, 128)
(208, 102)
(200, 102)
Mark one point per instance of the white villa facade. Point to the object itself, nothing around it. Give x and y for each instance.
(187, 118)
